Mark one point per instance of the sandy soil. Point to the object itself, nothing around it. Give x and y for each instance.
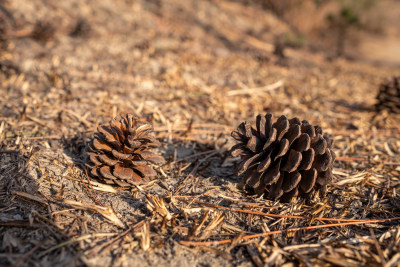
(196, 69)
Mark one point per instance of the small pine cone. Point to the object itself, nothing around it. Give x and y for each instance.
(3, 35)
(121, 151)
(43, 32)
(283, 159)
(3, 32)
(82, 28)
(389, 96)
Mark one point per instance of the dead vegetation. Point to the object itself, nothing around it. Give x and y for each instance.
(195, 73)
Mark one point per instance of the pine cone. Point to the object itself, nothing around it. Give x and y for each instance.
(3, 32)
(284, 159)
(121, 151)
(43, 31)
(82, 28)
(389, 96)
(3, 35)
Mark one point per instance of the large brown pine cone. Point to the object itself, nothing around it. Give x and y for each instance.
(121, 151)
(283, 159)
(389, 96)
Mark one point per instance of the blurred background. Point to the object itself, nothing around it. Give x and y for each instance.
(196, 69)
(357, 29)
(101, 58)
(365, 30)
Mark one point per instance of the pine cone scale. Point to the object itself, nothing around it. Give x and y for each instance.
(246, 163)
(283, 148)
(318, 144)
(308, 179)
(292, 133)
(308, 129)
(260, 123)
(146, 170)
(307, 160)
(110, 138)
(271, 138)
(271, 175)
(275, 191)
(293, 161)
(291, 181)
(142, 130)
(136, 163)
(237, 136)
(322, 162)
(105, 171)
(324, 177)
(101, 146)
(126, 174)
(282, 127)
(93, 159)
(294, 121)
(254, 179)
(154, 159)
(252, 144)
(121, 155)
(93, 170)
(302, 143)
(106, 160)
(237, 150)
(264, 164)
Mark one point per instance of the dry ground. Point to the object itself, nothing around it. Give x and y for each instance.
(197, 69)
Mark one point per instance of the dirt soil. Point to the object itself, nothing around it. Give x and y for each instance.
(195, 69)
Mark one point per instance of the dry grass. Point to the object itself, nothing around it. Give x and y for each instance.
(197, 73)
